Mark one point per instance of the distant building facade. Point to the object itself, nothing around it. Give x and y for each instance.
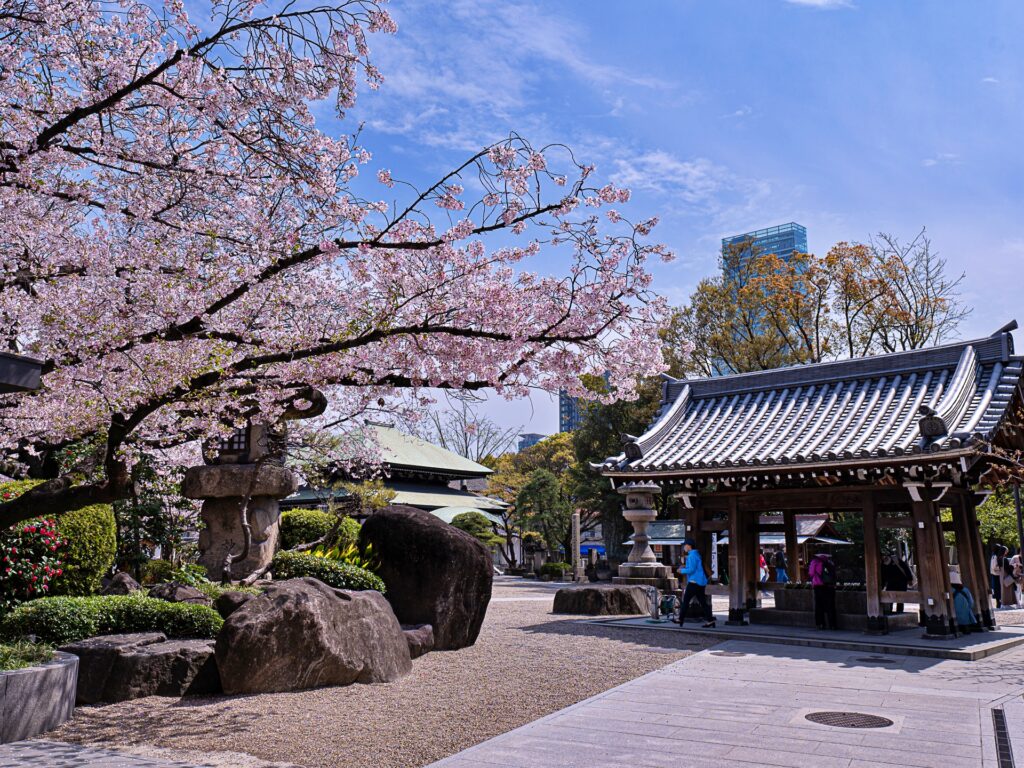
(783, 241)
(529, 438)
(569, 414)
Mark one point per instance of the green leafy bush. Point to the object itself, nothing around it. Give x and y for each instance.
(304, 526)
(60, 620)
(554, 569)
(293, 565)
(23, 654)
(91, 535)
(157, 571)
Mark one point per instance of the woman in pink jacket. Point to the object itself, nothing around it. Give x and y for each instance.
(823, 581)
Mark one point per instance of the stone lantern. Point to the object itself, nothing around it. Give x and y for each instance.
(642, 567)
(245, 466)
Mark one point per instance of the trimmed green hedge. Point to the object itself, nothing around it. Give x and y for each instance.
(60, 620)
(91, 534)
(302, 526)
(554, 569)
(294, 565)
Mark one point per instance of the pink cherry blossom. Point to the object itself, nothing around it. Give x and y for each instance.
(183, 248)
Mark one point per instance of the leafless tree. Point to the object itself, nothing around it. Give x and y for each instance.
(925, 304)
(461, 428)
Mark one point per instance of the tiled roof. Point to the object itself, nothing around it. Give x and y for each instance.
(402, 451)
(865, 409)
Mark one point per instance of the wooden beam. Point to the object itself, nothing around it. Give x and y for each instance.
(982, 598)
(877, 621)
(895, 522)
(934, 601)
(737, 573)
(792, 545)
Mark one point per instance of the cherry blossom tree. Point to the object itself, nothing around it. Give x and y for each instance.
(186, 250)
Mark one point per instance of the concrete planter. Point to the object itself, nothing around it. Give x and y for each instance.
(37, 699)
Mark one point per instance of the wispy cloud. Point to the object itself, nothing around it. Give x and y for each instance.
(743, 111)
(990, 79)
(942, 158)
(824, 5)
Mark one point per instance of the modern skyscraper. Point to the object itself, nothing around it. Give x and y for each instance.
(782, 241)
(569, 416)
(526, 439)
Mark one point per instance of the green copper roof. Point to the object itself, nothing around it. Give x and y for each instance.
(425, 495)
(400, 450)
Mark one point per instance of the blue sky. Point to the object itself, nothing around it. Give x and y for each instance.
(848, 117)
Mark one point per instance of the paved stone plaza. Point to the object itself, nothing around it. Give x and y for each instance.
(55, 754)
(745, 703)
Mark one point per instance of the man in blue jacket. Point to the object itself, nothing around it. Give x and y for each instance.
(696, 581)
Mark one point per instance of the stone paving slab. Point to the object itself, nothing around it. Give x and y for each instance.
(910, 642)
(710, 711)
(57, 754)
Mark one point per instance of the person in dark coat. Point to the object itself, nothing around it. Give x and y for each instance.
(896, 577)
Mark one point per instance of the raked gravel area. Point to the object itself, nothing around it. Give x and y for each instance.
(526, 664)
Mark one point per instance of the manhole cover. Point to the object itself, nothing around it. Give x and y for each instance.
(730, 654)
(876, 660)
(849, 720)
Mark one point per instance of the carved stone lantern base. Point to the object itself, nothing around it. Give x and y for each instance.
(223, 487)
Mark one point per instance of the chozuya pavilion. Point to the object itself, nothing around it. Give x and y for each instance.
(899, 438)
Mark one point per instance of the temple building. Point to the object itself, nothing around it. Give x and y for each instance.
(421, 474)
(906, 440)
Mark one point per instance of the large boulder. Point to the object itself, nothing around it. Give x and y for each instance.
(176, 592)
(122, 667)
(435, 573)
(604, 600)
(121, 584)
(302, 633)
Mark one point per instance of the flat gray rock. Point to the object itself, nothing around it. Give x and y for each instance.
(603, 600)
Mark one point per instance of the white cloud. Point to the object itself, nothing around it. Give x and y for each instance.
(825, 5)
(743, 111)
(990, 79)
(942, 158)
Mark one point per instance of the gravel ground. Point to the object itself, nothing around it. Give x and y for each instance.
(526, 664)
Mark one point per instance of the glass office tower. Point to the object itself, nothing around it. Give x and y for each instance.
(782, 241)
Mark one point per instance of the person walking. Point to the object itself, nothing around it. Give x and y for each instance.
(696, 584)
(823, 582)
(763, 566)
(995, 569)
(1008, 596)
(896, 577)
(1017, 566)
(781, 567)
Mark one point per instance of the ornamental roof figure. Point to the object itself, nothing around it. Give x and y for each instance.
(939, 404)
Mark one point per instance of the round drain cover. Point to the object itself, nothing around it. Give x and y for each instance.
(731, 654)
(849, 720)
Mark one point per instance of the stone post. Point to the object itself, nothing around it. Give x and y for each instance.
(642, 567)
(577, 560)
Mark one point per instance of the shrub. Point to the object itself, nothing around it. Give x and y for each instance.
(30, 559)
(301, 526)
(23, 654)
(60, 620)
(293, 565)
(554, 569)
(477, 525)
(157, 571)
(91, 535)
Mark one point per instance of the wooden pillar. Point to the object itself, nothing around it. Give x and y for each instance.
(751, 521)
(938, 617)
(737, 566)
(878, 623)
(965, 551)
(792, 546)
(982, 598)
